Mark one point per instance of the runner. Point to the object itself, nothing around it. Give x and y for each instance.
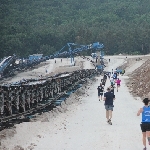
(103, 82)
(145, 124)
(115, 76)
(109, 98)
(46, 70)
(123, 71)
(112, 71)
(118, 83)
(105, 76)
(112, 88)
(109, 74)
(112, 82)
(100, 89)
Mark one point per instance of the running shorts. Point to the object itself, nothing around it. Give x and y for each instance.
(109, 107)
(112, 83)
(101, 93)
(145, 127)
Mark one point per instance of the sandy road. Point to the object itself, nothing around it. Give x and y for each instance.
(84, 127)
(87, 129)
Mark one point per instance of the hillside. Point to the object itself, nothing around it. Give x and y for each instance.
(44, 26)
(139, 83)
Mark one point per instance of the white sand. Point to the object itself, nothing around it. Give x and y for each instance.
(83, 125)
(134, 66)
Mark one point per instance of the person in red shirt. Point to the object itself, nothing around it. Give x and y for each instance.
(118, 81)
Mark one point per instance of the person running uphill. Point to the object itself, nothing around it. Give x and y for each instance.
(105, 77)
(103, 82)
(118, 83)
(112, 89)
(109, 74)
(109, 97)
(100, 91)
(145, 124)
(112, 82)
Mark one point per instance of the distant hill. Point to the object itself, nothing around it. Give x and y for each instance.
(45, 26)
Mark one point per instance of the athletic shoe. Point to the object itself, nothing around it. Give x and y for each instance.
(145, 148)
(109, 122)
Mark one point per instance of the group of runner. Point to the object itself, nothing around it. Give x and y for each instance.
(100, 88)
(113, 80)
(109, 97)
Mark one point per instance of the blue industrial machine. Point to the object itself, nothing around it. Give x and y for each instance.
(10, 64)
(100, 67)
(74, 49)
(7, 66)
(94, 55)
(99, 56)
(35, 57)
(119, 71)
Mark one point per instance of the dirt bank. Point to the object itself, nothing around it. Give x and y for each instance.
(138, 71)
(139, 82)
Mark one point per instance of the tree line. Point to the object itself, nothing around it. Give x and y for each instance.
(44, 26)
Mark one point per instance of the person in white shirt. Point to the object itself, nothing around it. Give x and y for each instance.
(112, 82)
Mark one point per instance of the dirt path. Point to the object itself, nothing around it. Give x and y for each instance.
(87, 128)
(83, 125)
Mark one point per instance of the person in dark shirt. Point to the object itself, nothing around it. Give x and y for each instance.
(109, 74)
(105, 77)
(100, 89)
(112, 89)
(109, 98)
(115, 76)
(103, 82)
(123, 72)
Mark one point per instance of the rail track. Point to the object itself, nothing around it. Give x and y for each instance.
(20, 101)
